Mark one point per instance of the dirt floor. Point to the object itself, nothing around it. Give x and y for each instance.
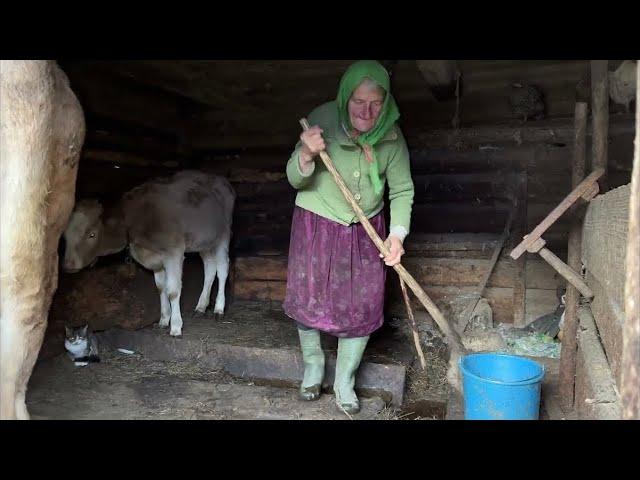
(131, 387)
(186, 378)
(134, 386)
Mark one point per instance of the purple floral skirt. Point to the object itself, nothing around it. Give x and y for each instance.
(335, 277)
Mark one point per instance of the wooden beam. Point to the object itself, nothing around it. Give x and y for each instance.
(631, 332)
(520, 277)
(205, 137)
(128, 73)
(120, 100)
(569, 339)
(585, 188)
(454, 272)
(609, 317)
(123, 158)
(500, 299)
(559, 131)
(222, 83)
(600, 106)
(479, 160)
(461, 217)
(435, 244)
(540, 302)
(570, 274)
(112, 135)
(457, 187)
(520, 292)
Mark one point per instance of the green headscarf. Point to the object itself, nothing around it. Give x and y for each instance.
(353, 77)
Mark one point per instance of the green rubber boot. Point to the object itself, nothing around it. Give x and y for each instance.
(350, 352)
(313, 358)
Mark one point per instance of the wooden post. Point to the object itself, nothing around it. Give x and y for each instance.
(520, 292)
(600, 106)
(631, 331)
(520, 282)
(569, 339)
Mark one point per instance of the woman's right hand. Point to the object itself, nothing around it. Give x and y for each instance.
(312, 145)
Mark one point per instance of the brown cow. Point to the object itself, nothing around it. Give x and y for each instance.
(42, 131)
(160, 221)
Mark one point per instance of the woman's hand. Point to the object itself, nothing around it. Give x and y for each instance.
(394, 245)
(312, 145)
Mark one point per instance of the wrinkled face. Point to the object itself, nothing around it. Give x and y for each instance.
(82, 237)
(365, 105)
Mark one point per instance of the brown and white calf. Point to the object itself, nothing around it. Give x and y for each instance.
(42, 131)
(160, 221)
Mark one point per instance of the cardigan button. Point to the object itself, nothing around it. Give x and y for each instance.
(356, 174)
(357, 197)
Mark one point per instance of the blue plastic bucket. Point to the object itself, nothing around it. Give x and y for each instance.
(497, 386)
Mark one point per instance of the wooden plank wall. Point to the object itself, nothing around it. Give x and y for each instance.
(468, 192)
(137, 131)
(461, 204)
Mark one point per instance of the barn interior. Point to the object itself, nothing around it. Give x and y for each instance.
(476, 163)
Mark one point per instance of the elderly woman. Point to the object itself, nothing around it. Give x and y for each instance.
(336, 276)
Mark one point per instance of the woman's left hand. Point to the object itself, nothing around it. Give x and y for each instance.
(394, 245)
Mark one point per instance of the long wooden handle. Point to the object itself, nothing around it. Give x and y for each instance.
(412, 324)
(431, 307)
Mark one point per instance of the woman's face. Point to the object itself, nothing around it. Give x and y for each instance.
(365, 105)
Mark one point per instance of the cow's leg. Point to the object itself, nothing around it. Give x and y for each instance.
(33, 337)
(22, 331)
(160, 277)
(209, 261)
(12, 345)
(34, 342)
(222, 266)
(173, 269)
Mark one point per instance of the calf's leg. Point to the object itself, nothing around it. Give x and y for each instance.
(209, 261)
(173, 269)
(160, 277)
